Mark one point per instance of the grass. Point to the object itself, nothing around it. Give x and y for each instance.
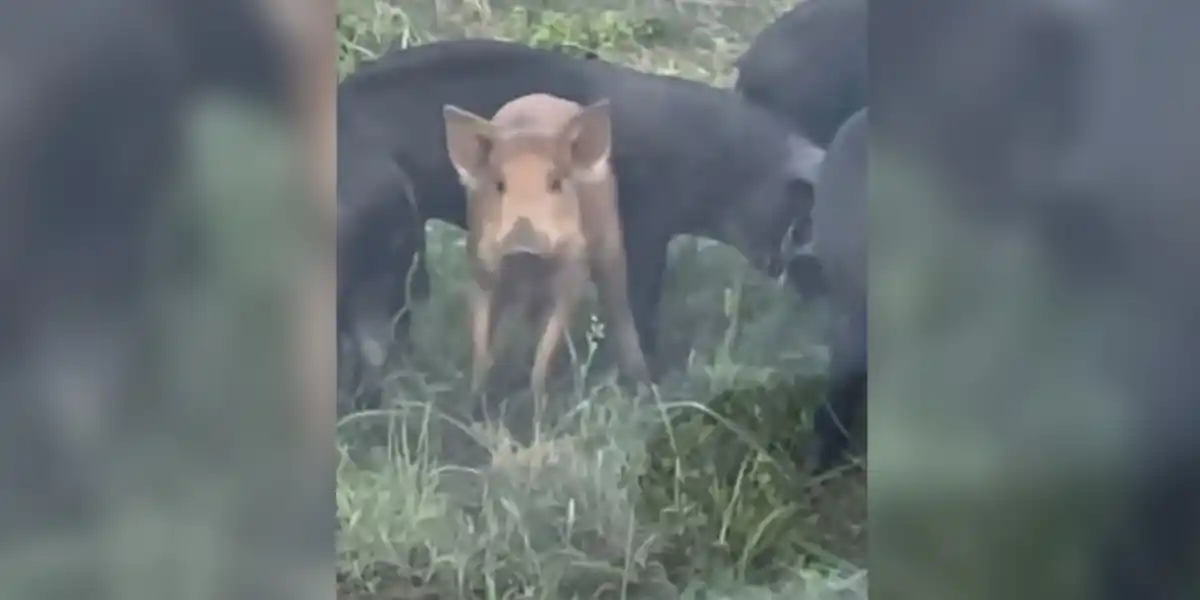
(686, 491)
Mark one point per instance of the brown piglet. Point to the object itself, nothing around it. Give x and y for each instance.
(542, 221)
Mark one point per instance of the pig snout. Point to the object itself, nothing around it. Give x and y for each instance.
(524, 238)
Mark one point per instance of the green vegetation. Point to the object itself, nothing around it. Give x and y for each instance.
(687, 492)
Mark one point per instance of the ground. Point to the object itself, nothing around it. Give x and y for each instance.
(691, 492)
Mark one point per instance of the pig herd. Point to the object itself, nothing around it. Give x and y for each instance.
(570, 170)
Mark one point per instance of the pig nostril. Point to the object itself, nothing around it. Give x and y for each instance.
(524, 238)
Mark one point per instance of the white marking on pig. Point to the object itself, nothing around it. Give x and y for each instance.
(804, 158)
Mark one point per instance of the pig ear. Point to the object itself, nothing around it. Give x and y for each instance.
(469, 141)
(804, 159)
(589, 138)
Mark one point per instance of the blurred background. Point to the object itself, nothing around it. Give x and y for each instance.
(166, 231)
(1033, 269)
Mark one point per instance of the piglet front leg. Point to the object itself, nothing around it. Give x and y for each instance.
(481, 330)
(568, 285)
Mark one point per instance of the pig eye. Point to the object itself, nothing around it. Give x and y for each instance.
(556, 185)
(500, 187)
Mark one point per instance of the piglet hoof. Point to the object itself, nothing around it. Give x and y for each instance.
(641, 388)
(635, 382)
(651, 372)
